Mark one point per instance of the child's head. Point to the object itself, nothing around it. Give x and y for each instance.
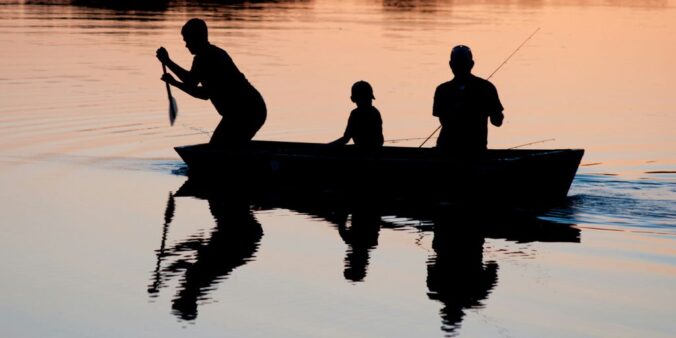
(362, 92)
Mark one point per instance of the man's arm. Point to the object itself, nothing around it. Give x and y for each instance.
(184, 75)
(496, 118)
(440, 106)
(495, 107)
(437, 107)
(187, 84)
(192, 90)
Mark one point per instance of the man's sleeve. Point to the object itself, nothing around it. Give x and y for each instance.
(439, 103)
(494, 105)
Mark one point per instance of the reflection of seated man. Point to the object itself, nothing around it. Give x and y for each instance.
(362, 237)
(233, 243)
(214, 76)
(456, 275)
(463, 106)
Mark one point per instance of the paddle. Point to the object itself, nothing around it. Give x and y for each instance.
(173, 109)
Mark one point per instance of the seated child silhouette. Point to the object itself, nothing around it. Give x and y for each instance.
(365, 126)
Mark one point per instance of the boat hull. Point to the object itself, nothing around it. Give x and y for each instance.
(496, 176)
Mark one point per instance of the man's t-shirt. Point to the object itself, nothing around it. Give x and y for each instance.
(463, 109)
(229, 90)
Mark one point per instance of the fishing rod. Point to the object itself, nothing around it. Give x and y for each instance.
(536, 142)
(488, 78)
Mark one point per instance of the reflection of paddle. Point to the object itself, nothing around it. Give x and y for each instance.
(168, 216)
(173, 109)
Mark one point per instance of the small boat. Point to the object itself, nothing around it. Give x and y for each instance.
(495, 176)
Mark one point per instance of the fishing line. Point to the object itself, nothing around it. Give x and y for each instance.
(200, 130)
(404, 139)
(536, 142)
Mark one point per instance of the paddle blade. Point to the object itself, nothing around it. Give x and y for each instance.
(173, 110)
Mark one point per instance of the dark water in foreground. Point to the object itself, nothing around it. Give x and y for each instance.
(100, 239)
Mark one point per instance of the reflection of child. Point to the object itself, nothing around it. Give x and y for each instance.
(364, 127)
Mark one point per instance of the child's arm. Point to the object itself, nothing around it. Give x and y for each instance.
(340, 141)
(347, 135)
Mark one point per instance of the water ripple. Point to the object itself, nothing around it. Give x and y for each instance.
(624, 203)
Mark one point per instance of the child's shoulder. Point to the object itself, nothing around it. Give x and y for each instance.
(366, 110)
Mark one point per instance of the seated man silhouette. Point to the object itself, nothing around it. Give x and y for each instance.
(463, 106)
(214, 76)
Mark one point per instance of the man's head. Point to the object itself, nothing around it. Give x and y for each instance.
(195, 35)
(461, 60)
(361, 92)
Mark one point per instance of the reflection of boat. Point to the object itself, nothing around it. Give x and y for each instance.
(514, 175)
(459, 277)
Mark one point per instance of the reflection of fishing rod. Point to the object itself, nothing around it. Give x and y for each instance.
(493, 73)
(536, 142)
(168, 216)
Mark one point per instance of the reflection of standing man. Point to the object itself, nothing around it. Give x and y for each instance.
(233, 242)
(214, 76)
(464, 104)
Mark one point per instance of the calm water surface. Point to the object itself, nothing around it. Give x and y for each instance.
(94, 242)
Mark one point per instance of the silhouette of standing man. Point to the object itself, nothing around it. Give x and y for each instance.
(463, 106)
(214, 76)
